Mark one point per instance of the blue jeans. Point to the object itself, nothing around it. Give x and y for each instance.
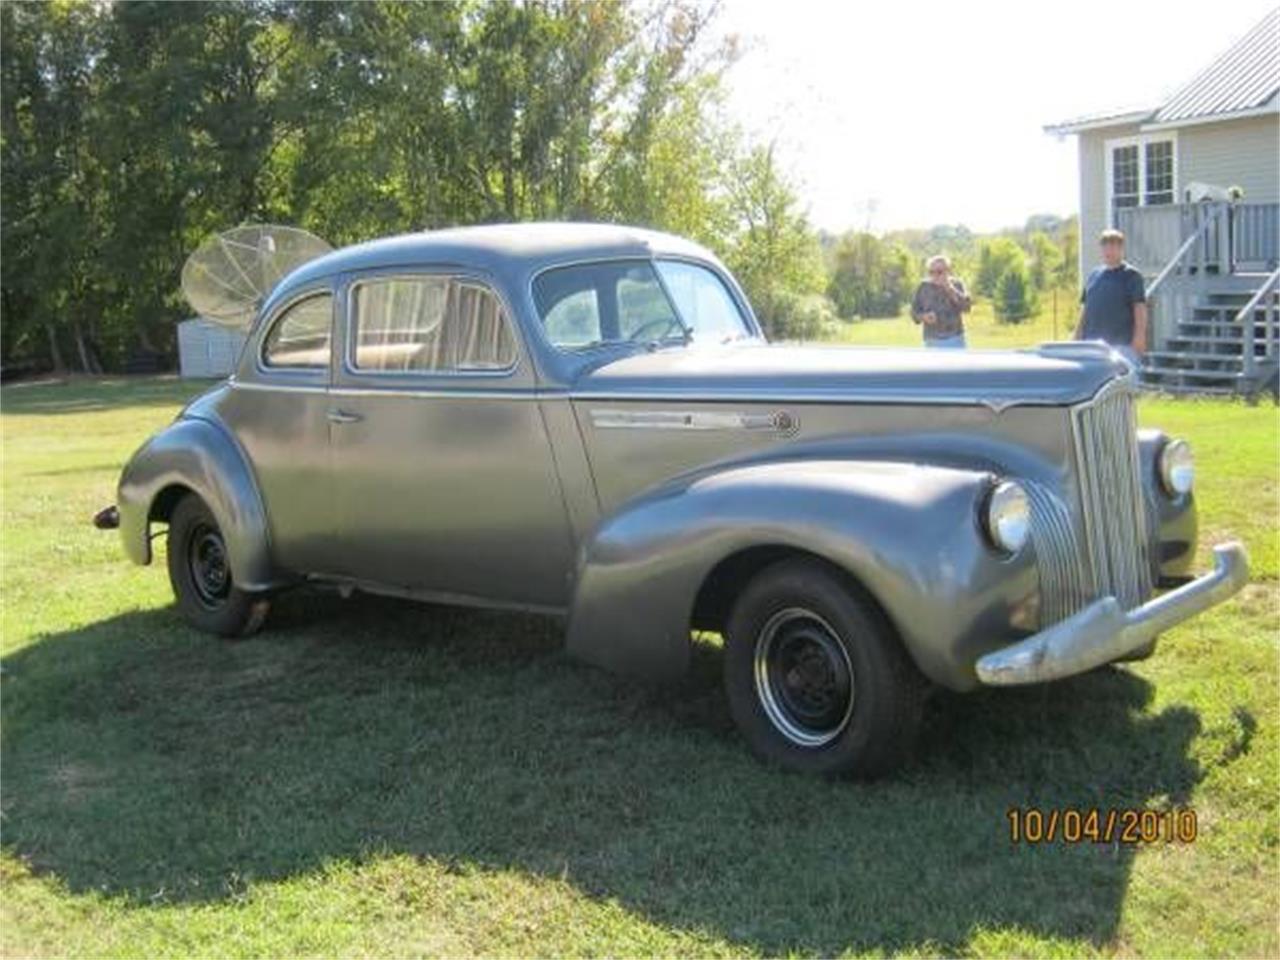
(947, 343)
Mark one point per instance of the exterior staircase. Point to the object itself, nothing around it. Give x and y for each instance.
(1214, 349)
(1215, 327)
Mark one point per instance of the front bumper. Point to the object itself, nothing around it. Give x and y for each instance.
(1103, 632)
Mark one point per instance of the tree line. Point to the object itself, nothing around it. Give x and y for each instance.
(872, 276)
(131, 131)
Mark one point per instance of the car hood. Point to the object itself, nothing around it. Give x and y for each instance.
(1053, 374)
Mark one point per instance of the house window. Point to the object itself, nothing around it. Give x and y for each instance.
(1141, 172)
(1159, 173)
(1125, 178)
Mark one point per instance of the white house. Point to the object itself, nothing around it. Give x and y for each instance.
(1194, 183)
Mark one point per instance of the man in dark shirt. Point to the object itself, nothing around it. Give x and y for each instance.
(939, 305)
(1114, 302)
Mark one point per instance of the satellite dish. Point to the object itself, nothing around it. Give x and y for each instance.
(229, 276)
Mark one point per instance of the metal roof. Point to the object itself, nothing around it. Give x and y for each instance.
(1102, 118)
(1243, 78)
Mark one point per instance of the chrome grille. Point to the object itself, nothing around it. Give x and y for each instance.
(1066, 584)
(1111, 499)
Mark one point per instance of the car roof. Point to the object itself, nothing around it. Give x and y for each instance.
(498, 248)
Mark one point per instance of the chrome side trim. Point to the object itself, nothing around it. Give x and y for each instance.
(898, 398)
(779, 421)
(1103, 631)
(276, 386)
(425, 393)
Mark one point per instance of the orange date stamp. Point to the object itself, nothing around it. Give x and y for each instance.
(1127, 825)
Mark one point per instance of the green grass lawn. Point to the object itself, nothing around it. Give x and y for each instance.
(373, 777)
(982, 328)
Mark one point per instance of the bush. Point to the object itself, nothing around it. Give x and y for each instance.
(869, 277)
(808, 316)
(1015, 295)
(994, 258)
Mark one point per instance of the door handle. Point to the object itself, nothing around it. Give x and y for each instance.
(342, 416)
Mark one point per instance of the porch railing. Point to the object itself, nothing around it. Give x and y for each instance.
(1263, 302)
(1249, 235)
(1154, 234)
(1255, 231)
(1176, 287)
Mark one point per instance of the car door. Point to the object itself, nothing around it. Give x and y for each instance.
(444, 477)
(276, 409)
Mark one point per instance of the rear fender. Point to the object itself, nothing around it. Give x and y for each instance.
(200, 456)
(908, 533)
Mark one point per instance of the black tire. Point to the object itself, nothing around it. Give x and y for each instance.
(200, 572)
(817, 679)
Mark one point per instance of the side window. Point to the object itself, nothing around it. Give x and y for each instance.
(575, 320)
(299, 338)
(429, 324)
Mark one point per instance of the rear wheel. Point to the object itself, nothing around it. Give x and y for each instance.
(200, 572)
(816, 678)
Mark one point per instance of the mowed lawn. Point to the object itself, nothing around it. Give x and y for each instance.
(374, 777)
(983, 330)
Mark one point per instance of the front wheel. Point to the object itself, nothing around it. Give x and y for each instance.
(816, 678)
(200, 572)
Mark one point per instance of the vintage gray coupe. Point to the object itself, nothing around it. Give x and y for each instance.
(586, 420)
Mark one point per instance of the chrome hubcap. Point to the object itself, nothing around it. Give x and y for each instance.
(803, 677)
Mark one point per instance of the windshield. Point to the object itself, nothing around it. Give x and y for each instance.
(636, 301)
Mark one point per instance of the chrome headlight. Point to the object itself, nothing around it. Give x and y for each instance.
(1177, 468)
(1007, 517)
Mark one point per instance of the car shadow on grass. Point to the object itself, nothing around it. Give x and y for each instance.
(145, 760)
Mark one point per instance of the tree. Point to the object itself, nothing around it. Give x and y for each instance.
(1015, 295)
(995, 256)
(869, 277)
(133, 130)
(807, 316)
(773, 250)
(1046, 261)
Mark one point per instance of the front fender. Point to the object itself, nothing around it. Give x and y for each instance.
(201, 456)
(1173, 518)
(907, 532)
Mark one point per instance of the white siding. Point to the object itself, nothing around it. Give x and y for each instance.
(1243, 152)
(1228, 153)
(1093, 188)
(206, 349)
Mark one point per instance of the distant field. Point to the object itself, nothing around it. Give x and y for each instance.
(981, 326)
(375, 778)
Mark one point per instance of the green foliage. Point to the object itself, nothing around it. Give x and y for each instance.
(774, 253)
(1046, 261)
(995, 256)
(131, 131)
(870, 277)
(1016, 297)
(808, 316)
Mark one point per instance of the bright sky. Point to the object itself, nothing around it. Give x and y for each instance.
(909, 114)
